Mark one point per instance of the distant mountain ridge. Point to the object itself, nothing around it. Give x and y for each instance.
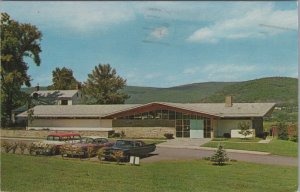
(181, 94)
(282, 90)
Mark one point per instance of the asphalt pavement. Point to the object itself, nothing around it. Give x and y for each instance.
(165, 153)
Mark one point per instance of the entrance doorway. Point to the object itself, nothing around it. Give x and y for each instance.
(197, 129)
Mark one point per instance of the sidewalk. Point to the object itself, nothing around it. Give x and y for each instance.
(265, 141)
(187, 143)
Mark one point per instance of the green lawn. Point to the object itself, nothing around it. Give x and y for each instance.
(147, 141)
(238, 140)
(31, 173)
(275, 147)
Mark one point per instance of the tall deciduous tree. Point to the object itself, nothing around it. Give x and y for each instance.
(18, 40)
(103, 86)
(63, 79)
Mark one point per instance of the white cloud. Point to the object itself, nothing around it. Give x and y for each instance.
(254, 23)
(75, 16)
(232, 17)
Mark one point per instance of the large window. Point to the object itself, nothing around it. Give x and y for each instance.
(164, 118)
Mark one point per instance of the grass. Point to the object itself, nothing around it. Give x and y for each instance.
(147, 141)
(31, 173)
(246, 140)
(275, 147)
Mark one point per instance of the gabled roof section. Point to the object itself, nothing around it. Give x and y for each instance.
(158, 105)
(58, 94)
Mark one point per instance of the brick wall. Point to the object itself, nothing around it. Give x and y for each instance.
(44, 133)
(145, 132)
(131, 132)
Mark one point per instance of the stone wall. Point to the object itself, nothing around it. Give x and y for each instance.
(145, 132)
(44, 133)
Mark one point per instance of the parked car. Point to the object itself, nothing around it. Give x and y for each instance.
(129, 148)
(88, 146)
(53, 143)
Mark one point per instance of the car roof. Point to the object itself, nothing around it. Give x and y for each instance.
(132, 140)
(95, 137)
(64, 134)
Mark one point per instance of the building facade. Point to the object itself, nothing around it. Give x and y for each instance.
(153, 120)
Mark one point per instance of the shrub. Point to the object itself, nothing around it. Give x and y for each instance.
(294, 138)
(69, 150)
(122, 135)
(118, 155)
(111, 134)
(220, 156)
(245, 128)
(282, 131)
(49, 149)
(22, 147)
(227, 135)
(100, 154)
(169, 135)
(90, 151)
(32, 148)
(114, 135)
(7, 146)
(14, 147)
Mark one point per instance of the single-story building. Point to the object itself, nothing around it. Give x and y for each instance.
(153, 120)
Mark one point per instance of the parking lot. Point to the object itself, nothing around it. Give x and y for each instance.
(165, 152)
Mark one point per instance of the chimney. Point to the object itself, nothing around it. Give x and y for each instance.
(228, 101)
(37, 88)
(78, 86)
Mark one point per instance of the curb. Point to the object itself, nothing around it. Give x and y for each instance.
(214, 149)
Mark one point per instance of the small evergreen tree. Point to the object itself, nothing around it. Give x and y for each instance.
(220, 156)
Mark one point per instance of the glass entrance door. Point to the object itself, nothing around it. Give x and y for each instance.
(197, 128)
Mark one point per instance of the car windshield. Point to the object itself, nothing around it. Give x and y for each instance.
(53, 138)
(123, 143)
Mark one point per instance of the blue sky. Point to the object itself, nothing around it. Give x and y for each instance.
(164, 44)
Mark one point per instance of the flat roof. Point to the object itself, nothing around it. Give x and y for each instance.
(109, 111)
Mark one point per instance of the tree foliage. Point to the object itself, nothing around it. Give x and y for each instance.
(245, 128)
(220, 156)
(18, 41)
(103, 85)
(63, 79)
(282, 130)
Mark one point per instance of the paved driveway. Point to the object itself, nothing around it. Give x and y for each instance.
(164, 153)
